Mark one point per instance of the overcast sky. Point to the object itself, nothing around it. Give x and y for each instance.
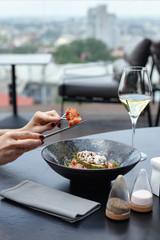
(77, 7)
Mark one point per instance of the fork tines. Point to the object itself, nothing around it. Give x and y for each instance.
(64, 116)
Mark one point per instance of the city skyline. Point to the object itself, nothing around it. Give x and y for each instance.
(73, 8)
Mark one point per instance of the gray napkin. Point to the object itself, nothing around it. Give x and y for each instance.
(48, 200)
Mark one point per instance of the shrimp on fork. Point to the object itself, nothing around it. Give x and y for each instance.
(73, 116)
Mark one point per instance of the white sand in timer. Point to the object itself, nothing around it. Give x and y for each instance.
(142, 197)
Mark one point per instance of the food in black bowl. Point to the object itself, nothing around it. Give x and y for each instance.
(90, 160)
(60, 154)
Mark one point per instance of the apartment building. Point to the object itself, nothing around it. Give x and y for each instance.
(102, 26)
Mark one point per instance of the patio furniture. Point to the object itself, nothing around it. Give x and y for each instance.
(22, 59)
(104, 88)
(155, 51)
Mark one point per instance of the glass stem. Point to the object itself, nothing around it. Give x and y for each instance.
(134, 122)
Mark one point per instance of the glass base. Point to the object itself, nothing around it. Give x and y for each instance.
(143, 156)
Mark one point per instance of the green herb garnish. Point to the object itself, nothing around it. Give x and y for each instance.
(116, 164)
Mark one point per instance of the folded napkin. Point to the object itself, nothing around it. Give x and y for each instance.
(48, 200)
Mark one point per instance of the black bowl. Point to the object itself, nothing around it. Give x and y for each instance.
(56, 153)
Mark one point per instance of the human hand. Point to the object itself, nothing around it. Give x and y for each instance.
(42, 121)
(15, 143)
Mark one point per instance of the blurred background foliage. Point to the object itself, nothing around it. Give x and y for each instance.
(82, 51)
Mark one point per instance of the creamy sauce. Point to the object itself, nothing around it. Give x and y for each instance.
(92, 158)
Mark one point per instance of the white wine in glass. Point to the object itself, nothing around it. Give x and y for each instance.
(135, 93)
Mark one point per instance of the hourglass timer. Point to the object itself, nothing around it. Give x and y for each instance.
(142, 197)
(118, 202)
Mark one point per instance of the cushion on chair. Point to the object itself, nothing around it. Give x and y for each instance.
(136, 53)
(89, 87)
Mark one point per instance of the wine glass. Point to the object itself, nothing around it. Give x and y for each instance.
(135, 92)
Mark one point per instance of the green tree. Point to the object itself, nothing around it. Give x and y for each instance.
(28, 48)
(81, 51)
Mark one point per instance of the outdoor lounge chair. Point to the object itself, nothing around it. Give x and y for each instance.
(104, 88)
(155, 51)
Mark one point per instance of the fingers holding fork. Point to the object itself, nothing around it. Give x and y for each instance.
(58, 124)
